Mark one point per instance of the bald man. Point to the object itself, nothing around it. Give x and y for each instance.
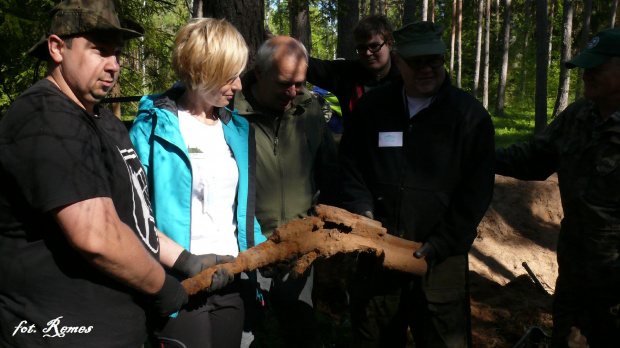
(296, 158)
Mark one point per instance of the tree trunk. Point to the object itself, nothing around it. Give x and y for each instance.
(551, 16)
(459, 51)
(542, 67)
(299, 16)
(115, 93)
(409, 7)
(196, 9)
(526, 36)
(583, 42)
(374, 7)
(564, 83)
(501, 84)
(247, 16)
(452, 38)
(424, 10)
(348, 16)
(474, 88)
(497, 26)
(614, 8)
(485, 71)
(432, 11)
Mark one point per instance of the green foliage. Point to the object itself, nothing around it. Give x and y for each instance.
(20, 29)
(278, 17)
(145, 63)
(517, 125)
(323, 16)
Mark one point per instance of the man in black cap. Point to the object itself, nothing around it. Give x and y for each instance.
(78, 247)
(419, 159)
(582, 145)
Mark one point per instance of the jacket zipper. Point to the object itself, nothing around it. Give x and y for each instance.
(275, 140)
(401, 187)
(280, 169)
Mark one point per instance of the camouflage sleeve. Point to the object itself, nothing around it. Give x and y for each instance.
(538, 158)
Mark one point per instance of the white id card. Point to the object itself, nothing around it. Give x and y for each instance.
(390, 139)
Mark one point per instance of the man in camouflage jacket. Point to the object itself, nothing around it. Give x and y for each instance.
(583, 146)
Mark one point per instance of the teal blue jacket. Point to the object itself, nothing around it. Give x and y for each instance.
(157, 138)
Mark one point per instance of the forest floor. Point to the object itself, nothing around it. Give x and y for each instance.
(521, 225)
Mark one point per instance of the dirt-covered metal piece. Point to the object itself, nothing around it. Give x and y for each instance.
(330, 232)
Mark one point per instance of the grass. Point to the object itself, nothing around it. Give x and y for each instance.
(517, 125)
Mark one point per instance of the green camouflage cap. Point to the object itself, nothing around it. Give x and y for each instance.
(604, 46)
(72, 17)
(419, 39)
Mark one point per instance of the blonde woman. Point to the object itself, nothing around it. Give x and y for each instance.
(199, 157)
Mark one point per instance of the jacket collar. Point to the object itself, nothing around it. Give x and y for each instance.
(168, 101)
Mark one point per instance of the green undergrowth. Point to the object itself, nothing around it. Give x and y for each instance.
(517, 126)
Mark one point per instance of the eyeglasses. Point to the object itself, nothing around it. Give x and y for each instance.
(422, 63)
(373, 48)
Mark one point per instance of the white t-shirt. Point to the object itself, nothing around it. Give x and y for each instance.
(417, 104)
(214, 187)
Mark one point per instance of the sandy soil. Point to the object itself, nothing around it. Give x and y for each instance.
(521, 225)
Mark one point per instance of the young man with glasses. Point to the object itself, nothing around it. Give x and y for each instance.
(350, 79)
(419, 159)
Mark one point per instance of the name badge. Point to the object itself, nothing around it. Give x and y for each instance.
(390, 139)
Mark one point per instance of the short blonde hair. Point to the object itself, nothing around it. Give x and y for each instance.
(208, 53)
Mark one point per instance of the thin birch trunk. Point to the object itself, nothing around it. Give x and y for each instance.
(485, 71)
(542, 67)
(474, 89)
(503, 76)
(567, 32)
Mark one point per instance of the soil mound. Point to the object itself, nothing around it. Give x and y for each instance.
(521, 225)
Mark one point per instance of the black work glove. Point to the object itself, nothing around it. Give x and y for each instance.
(190, 264)
(220, 279)
(170, 298)
(428, 252)
(280, 269)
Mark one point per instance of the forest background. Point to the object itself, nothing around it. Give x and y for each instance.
(507, 53)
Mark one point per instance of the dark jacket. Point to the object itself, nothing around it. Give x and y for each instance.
(296, 157)
(437, 186)
(346, 79)
(585, 152)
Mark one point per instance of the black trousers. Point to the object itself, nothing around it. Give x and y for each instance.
(207, 321)
(587, 299)
(435, 306)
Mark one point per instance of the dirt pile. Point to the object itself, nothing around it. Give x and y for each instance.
(521, 225)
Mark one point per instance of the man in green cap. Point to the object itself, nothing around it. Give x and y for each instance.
(582, 145)
(419, 159)
(78, 247)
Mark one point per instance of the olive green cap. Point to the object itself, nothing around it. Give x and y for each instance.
(604, 46)
(419, 39)
(73, 17)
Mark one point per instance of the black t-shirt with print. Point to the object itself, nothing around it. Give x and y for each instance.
(53, 153)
